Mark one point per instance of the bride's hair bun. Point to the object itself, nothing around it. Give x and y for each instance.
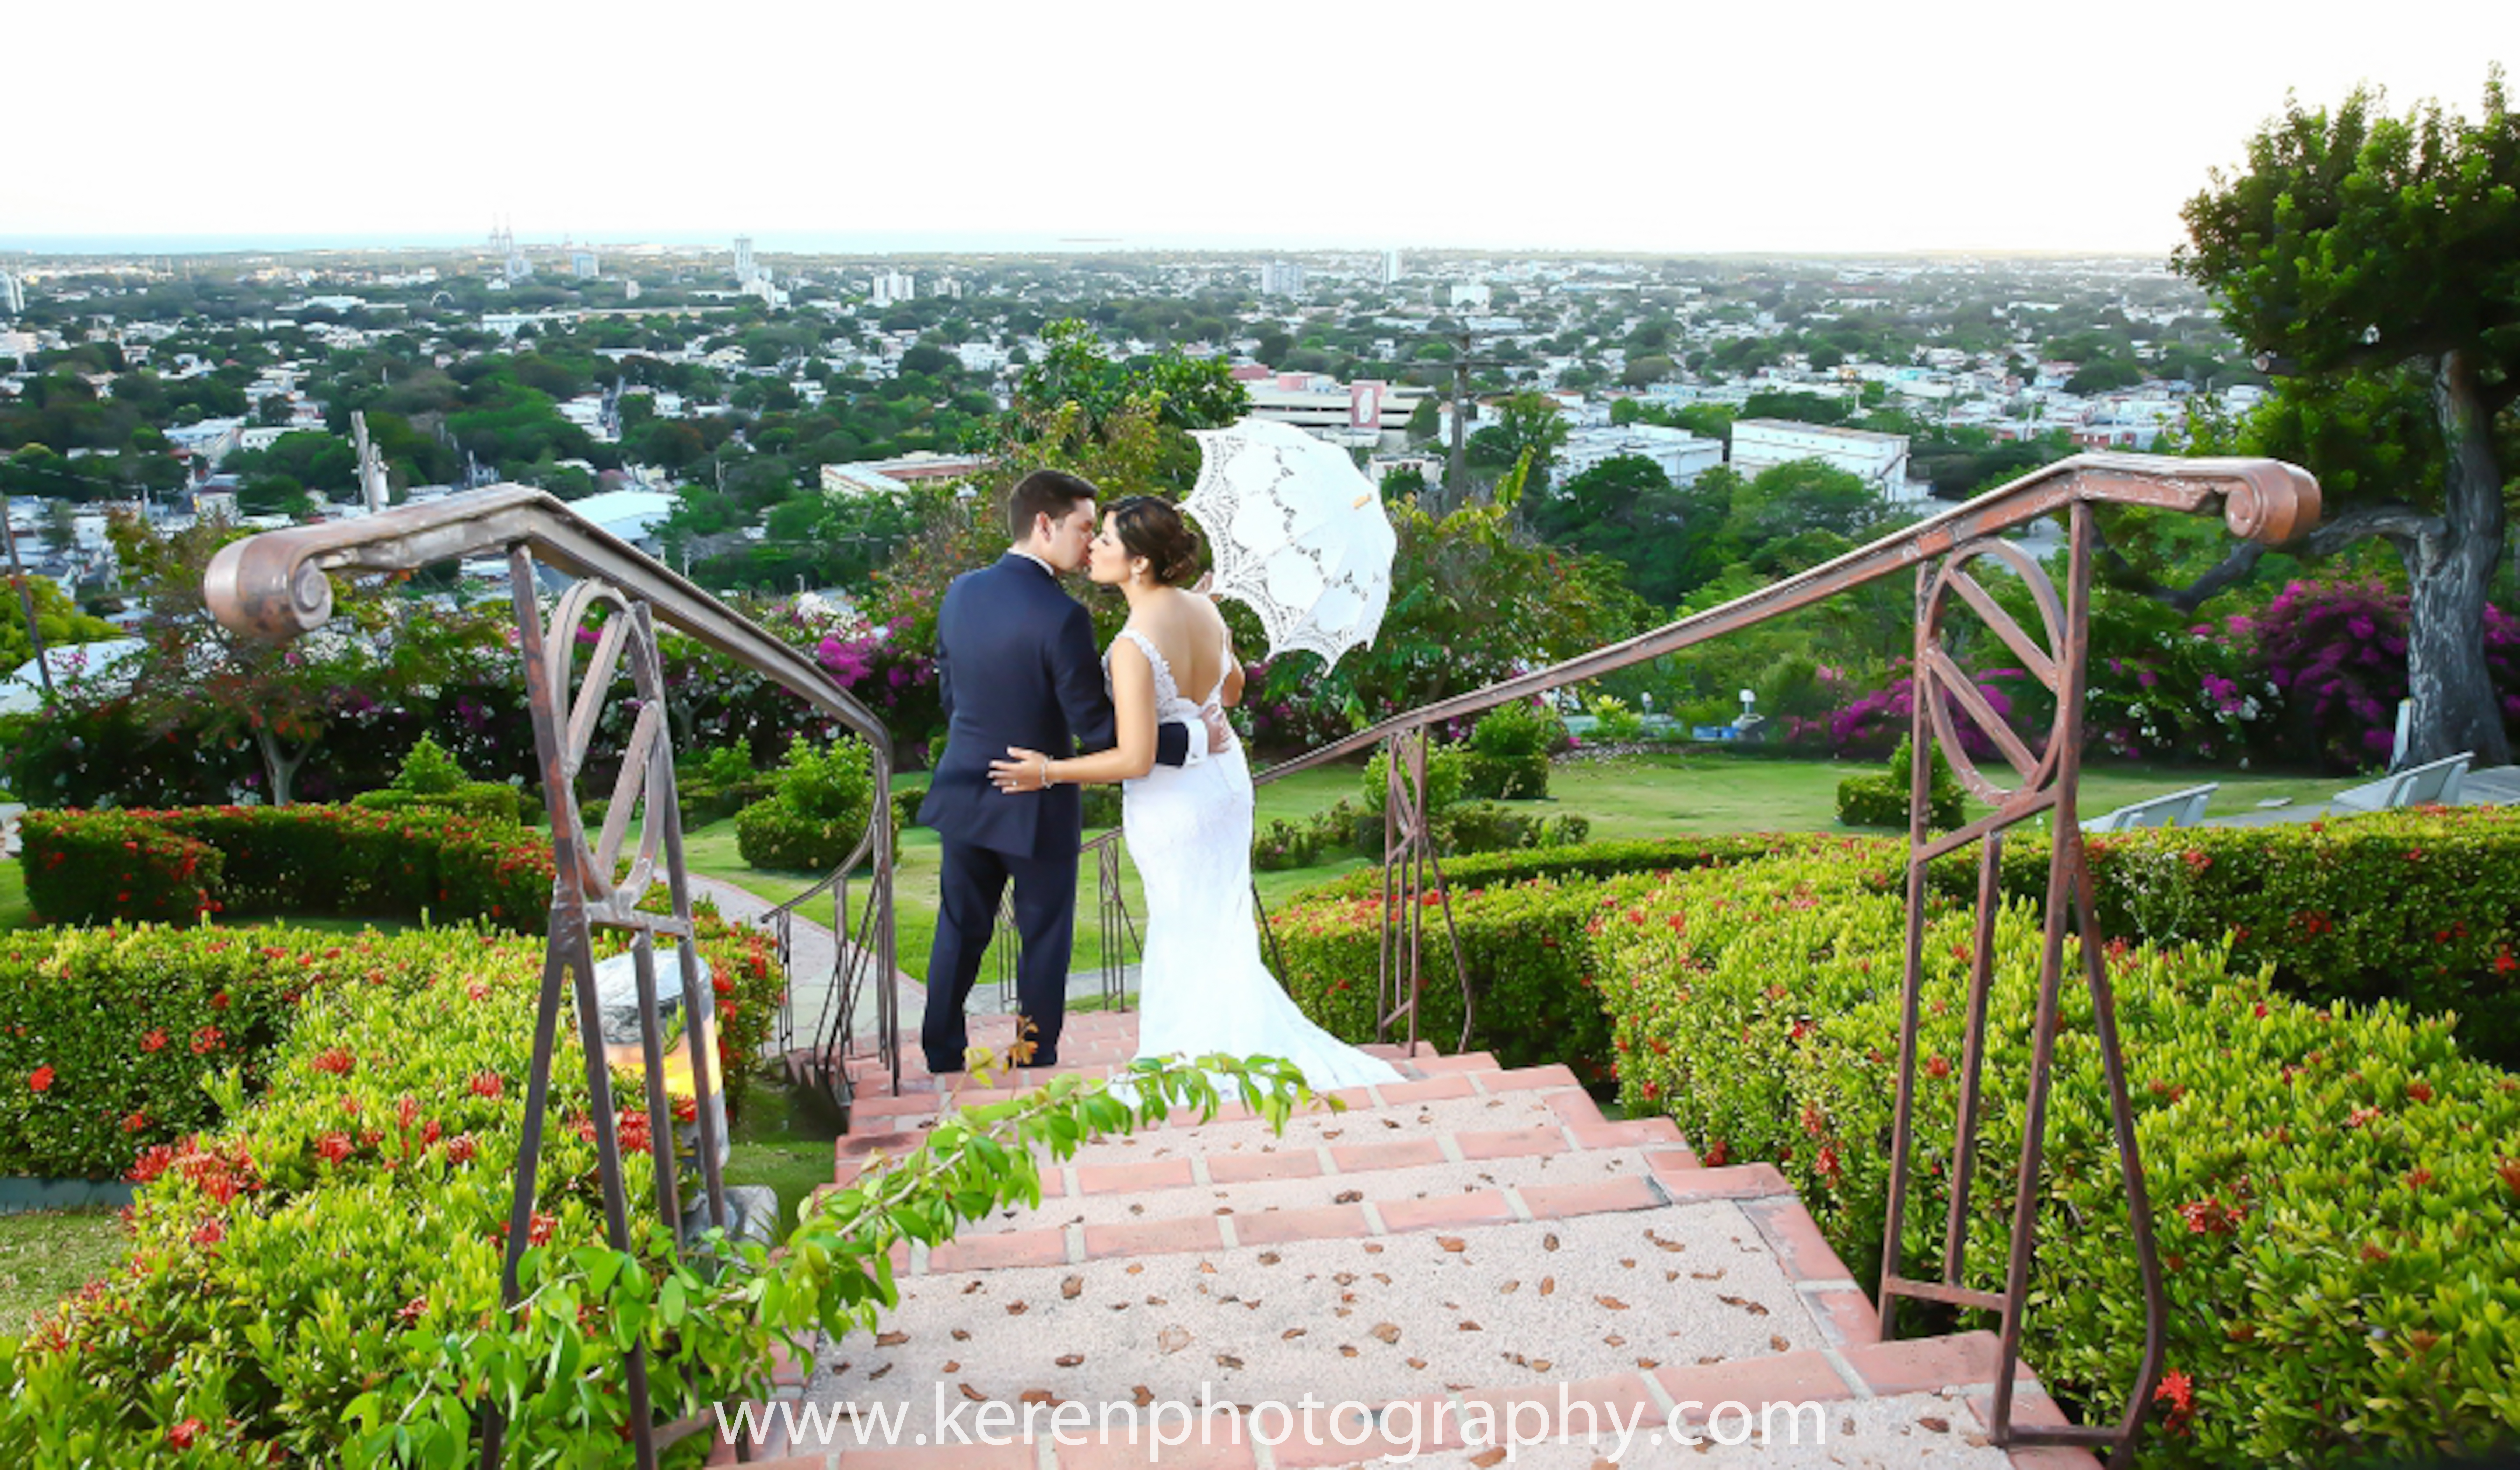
(1152, 528)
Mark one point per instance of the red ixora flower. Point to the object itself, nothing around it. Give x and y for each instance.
(486, 1085)
(208, 1040)
(335, 1060)
(2419, 1091)
(154, 1040)
(335, 1146)
(211, 1232)
(2178, 1390)
(40, 1080)
(461, 1149)
(182, 1434)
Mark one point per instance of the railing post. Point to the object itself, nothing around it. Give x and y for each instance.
(2048, 782)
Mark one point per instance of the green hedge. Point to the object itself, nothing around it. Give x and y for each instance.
(352, 861)
(1596, 860)
(2421, 907)
(2334, 1190)
(492, 799)
(330, 1257)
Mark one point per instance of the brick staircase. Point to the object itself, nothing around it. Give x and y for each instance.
(1476, 1240)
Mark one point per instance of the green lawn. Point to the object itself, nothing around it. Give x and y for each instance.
(782, 1141)
(46, 1255)
(14, 911)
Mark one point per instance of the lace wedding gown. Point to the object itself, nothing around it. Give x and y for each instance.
(1202, 986)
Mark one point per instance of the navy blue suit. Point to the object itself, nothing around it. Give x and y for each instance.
(1015, 665)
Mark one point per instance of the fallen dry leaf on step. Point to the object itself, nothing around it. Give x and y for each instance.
(1348, 1196)
(1228, 1360)
(1417, 1363)
(1391, 1123)
(1716, 1274)
(1069, 1359)
(1037, 1396)
(1270, 1258)
(1136, 1267)
(1611, 1303)
(1487, 1457)
(1383, 1276)
(1332, 1133)
(1548, 1284)
(1072, 1288)
(1346, 1352)
(1470, 1326)
(880, 1372)
(951, 1366)
(890, 1339)
(1016, 1309)
(972, 1393)
(1172, 1338)
(1290, 1334)
(1745, 1304)
(1779, 1342)
(967, 1291)
(1342, 1312)
(1650, 1364)
(1207, 1267)
(1615, 1340)
(961, 1336)
(1389, 1332)
(1932, 1425)
(1453, 1243)
(1508, 1288)
(1344, 1278)
(1549, 1242)
(1373, 1247)
(1155, 1301)
(1144, 1394)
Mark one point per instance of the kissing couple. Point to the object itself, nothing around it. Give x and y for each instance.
(1031, 714)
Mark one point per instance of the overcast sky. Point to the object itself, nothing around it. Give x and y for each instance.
(1677, 125)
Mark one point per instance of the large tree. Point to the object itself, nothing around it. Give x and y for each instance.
(2358, 243)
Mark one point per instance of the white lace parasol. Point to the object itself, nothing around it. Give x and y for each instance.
(1297, 533)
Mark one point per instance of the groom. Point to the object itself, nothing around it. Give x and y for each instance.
(1015, 665)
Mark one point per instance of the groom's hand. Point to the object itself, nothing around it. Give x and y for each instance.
(1020, 771)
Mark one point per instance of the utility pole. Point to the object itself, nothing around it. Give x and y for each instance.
(1457, 472)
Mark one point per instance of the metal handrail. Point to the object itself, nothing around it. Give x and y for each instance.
(278, 585)
(275, 585)
(2263, 500)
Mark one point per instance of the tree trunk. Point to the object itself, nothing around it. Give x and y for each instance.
(278, 765)
(2456, 709)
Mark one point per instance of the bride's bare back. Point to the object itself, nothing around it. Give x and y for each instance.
(1188, 631)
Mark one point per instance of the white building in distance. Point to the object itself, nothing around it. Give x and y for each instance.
(890, 287)
(1679, 454)
(13, 294)
(1878, 459)
(1281, 278)
(1473, 295)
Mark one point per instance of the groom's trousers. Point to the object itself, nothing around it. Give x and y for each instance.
(973, 881)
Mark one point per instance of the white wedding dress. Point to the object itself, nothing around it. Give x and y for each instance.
(1203, 987)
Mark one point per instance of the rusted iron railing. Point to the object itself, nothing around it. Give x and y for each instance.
(2262, 500)
(277, 586)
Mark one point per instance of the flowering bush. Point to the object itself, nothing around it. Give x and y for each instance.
(821, 801)
(355, 862)
(2337, 652)
(318, 1280)
(1872, 725)
(2333, 1188)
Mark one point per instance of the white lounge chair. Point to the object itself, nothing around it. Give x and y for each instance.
(2178, 809)
(2415, 787)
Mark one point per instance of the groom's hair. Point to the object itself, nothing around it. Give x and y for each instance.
(1044, 491)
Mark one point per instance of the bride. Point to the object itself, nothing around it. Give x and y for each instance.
(1203, 987)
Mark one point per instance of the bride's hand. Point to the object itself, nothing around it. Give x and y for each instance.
(1021, 771)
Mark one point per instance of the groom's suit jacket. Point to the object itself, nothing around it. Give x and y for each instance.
(1015, 666)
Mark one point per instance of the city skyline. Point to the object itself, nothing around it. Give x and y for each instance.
(1613, 128)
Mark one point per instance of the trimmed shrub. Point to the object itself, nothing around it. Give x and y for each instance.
(822, 802)
(2421, 907)
(1596, 860)
(334, 1248)
(2333, 1190)
(85, 865)
(1882, 800)
(353, 863)
(478, 799)
(1507, 759)
(1445, 771)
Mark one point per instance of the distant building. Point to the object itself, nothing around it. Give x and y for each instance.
(1281, 278)
(1391, 267)
(1473, 295)
(13, 294)
(1319, 402)
(896, 475)
(891, 287)
(583, 265)
(743, 259)
(1878, 459)
(1681, 455)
